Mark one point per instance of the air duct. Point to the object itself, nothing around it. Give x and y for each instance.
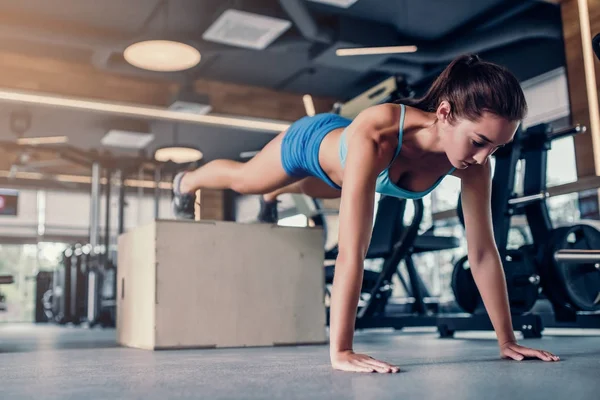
(298, 13)
(499, 36)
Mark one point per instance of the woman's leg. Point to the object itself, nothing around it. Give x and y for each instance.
(312, 187)
(262, 174)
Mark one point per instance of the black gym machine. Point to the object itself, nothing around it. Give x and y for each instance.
(561, 264)
(395, 243)
(82, 288)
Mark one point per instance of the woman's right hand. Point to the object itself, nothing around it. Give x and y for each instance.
(353, 362)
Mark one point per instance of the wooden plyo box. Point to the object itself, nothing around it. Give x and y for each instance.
(186, 284)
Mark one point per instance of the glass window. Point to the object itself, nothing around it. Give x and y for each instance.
(23, 262)
(562, 167)
(445, 196)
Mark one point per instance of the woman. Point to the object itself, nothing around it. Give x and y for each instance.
(404, 150)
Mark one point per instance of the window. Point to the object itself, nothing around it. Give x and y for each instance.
(23, 262)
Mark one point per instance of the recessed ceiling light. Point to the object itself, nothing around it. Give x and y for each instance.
(178, 154)
(361, 51)
(337, 3)
(33, 141)
(162, 55)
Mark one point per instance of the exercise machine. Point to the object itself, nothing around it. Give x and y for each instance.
(556, 265)
(102, 287)
(395, 243)
(568, 257)
(66, 300)
(386, 91)
(80, 290)
(5, 280)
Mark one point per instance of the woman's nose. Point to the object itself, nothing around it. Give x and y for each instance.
(481, 156)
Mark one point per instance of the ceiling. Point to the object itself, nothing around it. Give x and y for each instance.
(525, 36)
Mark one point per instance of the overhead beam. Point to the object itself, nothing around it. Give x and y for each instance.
(49, 75)
(17, 25)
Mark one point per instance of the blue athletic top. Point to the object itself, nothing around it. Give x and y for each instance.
(384, 185)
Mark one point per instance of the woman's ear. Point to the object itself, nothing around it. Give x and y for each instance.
(444, 111)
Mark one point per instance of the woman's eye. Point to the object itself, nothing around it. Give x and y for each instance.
(477, 144)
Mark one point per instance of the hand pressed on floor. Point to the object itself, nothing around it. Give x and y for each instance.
(353, 362)
(512, 350)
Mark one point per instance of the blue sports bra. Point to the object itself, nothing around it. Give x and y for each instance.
(384, 185)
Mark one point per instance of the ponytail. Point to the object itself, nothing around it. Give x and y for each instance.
(473, 86)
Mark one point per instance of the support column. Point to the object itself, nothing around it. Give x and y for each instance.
(581, 22)
(95, 205)
(107, 215)
(121, 215)
(157, 178)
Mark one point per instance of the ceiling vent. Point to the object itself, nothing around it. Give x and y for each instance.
(191, 102)
(127, 139)
(244, 29)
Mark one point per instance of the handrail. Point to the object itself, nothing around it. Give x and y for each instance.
(581, 185)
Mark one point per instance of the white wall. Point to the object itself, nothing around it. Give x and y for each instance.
(68, 213)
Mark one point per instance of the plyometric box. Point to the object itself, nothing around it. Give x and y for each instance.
(187, 284)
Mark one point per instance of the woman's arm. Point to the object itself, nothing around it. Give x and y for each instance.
(485, 261)
(368, 154)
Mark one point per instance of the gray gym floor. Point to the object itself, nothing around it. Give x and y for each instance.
(50, 362)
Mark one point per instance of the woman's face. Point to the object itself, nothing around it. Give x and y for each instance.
(473, 142)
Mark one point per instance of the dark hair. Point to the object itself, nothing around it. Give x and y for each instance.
(473, 86)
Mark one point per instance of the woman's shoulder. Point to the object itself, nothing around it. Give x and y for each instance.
(381, 114)
(386, 118)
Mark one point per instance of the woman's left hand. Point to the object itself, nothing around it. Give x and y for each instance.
(512, 350)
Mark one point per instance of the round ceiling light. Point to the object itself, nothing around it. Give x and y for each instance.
(162, 55)
(178, 154)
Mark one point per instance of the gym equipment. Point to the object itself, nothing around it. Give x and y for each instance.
(394, 242)
(69, 288)
(563, 257)
(572, 301)
(43, 296)
(61, 289)
(521, 278)
(78, 286)
(386, 91)
(101, 295)
(4, 280)
(81, 289)
(387, 232)
(572, 267)
(236, 298)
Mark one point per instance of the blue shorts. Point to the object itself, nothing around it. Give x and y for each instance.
(301, 143)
